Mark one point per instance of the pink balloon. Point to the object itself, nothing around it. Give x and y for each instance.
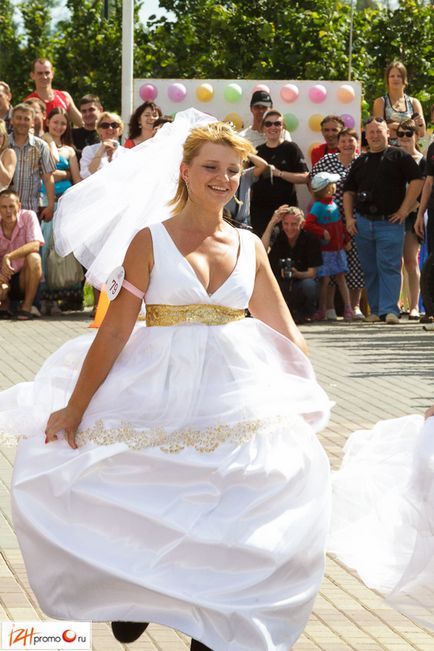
(289, 92)
(348, 121)
(177, 92)
(261, 87)
(317, 93)
(148, 92)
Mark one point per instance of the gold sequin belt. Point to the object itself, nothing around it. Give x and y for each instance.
(169, 315)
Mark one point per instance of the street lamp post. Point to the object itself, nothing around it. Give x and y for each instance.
(127, 58)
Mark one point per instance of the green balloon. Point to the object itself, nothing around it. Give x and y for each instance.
(233, 93)
(291, 121)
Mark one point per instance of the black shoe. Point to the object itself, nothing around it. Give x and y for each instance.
(198, 646)
(127, 632)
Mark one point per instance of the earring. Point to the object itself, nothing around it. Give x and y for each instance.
(186, 185)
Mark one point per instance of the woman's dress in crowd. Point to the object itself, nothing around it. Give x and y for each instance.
(383, 512)
(199, 496)
(71, 294)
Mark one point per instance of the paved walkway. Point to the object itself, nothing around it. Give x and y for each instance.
(371, 371)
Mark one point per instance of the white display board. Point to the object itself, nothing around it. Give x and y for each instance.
(303, 103)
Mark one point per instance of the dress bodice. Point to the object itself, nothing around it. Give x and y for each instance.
(174, 282)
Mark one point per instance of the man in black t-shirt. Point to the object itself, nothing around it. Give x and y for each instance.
(382, 186)
(294, 256)
(90, 109)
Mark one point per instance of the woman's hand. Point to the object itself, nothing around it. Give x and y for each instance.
(429, 412)
(67, 419)
(109, 147)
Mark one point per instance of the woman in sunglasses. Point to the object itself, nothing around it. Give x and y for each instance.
(109, 129)
(286, 168)
(407, 139)
(395, 106)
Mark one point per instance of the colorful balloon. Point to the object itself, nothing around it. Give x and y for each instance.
(205, 92)
(261, 87)
(233, 92)
(346, 93)
(315, 121)
(177, 92)
(148, 92)
(289, 92)
(349, 121)
(317, 93)
(291, 121)
(236, 120)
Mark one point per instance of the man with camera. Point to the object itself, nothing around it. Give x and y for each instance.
(382, 186)
(294, 256)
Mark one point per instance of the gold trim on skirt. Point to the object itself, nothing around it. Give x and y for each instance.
(169, 315)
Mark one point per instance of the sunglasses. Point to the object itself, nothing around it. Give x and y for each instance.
(109, 125)
(401, 134)
(269, 123)
(372, 119)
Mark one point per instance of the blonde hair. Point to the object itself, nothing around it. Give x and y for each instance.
(3, 132)
(295, 211)
(216, 133)
(108, 115)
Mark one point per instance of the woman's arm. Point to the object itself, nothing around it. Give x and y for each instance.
(259, 163)
(8, 163)
(73, 167)
(52, 147)
(112, 336)
(419, 120)
(275, 219)
(298, 178)
(378, 108)
(267, 303)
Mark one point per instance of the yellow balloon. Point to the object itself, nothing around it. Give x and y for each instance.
(236, 120)
(309, 151)
(315, 121)
(205, 92)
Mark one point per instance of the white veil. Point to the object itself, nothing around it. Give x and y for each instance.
(97, 218)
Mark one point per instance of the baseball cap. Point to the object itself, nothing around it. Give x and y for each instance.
(323, 179)
(261, 97)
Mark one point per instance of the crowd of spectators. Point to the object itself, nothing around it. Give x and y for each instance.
(365, 221)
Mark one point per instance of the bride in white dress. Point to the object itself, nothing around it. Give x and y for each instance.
(183, 482)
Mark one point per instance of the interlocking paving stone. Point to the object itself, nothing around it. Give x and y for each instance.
(370, 371)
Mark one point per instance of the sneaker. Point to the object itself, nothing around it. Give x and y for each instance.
(392, 319)
(320, 315)
(348, 314)
(330, 315)
(55, 309)
(358, 314)
(373, 318)
(34, 310)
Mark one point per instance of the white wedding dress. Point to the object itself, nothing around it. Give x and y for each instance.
(199, 496)
(383, 512)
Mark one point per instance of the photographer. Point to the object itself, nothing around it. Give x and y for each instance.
(383, 186)
(294, 256)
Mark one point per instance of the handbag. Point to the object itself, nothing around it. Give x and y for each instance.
(61, 272)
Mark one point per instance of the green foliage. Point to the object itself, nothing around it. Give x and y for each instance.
(302, 39)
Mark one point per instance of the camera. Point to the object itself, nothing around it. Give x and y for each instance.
(364, 196)
(285, 265)
(365, 201)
